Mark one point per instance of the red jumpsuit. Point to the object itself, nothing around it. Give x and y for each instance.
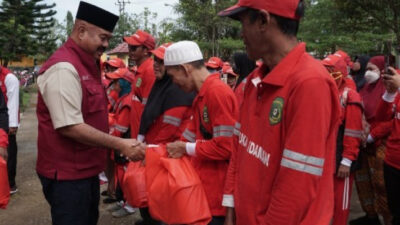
(144, 80)
(215, 111)
(282, 165)
(351, 117)
(169, 126)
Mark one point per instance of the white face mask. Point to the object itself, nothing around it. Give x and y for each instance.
(371, 76)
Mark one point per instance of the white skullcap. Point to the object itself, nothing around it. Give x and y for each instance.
(182, 52)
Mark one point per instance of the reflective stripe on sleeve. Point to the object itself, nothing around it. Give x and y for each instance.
(236, 131)
(190, 136)
(175, 121)
(303, 163)
(223, 131)
(121, 128)
(353, 133)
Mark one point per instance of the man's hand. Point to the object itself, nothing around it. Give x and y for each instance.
(392, 81)
(343, 171)
(230, 216)
(176, 149)
(12, 130)
(132, 149)
(3, 153)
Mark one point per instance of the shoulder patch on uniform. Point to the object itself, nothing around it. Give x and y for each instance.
(206, 118)
(139, 82)
(275, 114)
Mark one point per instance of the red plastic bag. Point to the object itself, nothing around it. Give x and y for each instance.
(176, 195)
(134, 185)
(4, 186)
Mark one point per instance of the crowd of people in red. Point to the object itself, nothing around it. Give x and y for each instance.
(270, 136)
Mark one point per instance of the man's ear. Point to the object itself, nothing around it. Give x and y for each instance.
(81, 30)
(264, 19)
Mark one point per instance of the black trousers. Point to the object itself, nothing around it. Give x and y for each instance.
(12, 150)
(73, 202)
(392, 183)
(217, 220)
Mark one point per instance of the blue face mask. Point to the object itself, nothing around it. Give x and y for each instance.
(125, 87)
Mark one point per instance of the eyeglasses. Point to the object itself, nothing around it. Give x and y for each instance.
(133, 48)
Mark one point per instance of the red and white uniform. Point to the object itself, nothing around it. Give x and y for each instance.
(141, 87)
(282, 165)
(169, 126)
(215, 109)
(389, 110)
(351, 116)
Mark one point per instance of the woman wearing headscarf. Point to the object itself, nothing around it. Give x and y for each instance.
(166, 114)
(358, 70)
(369, 179)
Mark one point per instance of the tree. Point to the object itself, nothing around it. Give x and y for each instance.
(129, 23)
(199, 21)
(24, 25)
(327, 28)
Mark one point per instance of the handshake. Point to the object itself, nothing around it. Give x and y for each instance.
(135, 150)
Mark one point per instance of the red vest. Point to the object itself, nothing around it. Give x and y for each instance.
(60, 157)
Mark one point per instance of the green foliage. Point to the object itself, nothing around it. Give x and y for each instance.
(129, 23)
(199, 21)
(327, 28)
(26, 29)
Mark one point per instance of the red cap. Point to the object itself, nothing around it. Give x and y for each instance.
(116, 62)
(160, 51)
(345, 57)
(284, 8)
(121, 73)
(215, 63)
(227, 69)
(337, 62)
(141, 38)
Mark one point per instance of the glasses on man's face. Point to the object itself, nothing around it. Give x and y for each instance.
(133, 48)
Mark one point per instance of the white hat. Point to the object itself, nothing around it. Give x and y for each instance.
(182, 52)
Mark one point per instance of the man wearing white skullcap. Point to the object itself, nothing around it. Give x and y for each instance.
(207, 138)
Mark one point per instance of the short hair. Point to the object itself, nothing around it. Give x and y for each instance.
(288, 26)
(197, 64)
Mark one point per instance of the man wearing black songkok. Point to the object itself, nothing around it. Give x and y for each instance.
(73, 121)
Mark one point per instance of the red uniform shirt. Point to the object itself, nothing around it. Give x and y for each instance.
(239, 92)
(144, 80)
(169, 126)
(281, 170)
(215, 107)
(390, 111)
(122, 116)
(352, 121)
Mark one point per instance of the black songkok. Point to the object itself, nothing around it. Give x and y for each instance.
(96, 16)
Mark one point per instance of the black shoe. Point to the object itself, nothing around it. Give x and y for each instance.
(365, 220)
(104, 193)
(109, 200)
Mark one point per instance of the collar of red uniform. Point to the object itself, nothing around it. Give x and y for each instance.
(206, 83)
(281, 72)
(146, 64)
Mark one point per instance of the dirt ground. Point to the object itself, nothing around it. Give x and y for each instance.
(28, 206)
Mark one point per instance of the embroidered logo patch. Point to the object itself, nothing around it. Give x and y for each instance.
(139, 82)
(275, 115)
(206, 119)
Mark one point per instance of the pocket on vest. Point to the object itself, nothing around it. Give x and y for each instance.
(96, 98)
